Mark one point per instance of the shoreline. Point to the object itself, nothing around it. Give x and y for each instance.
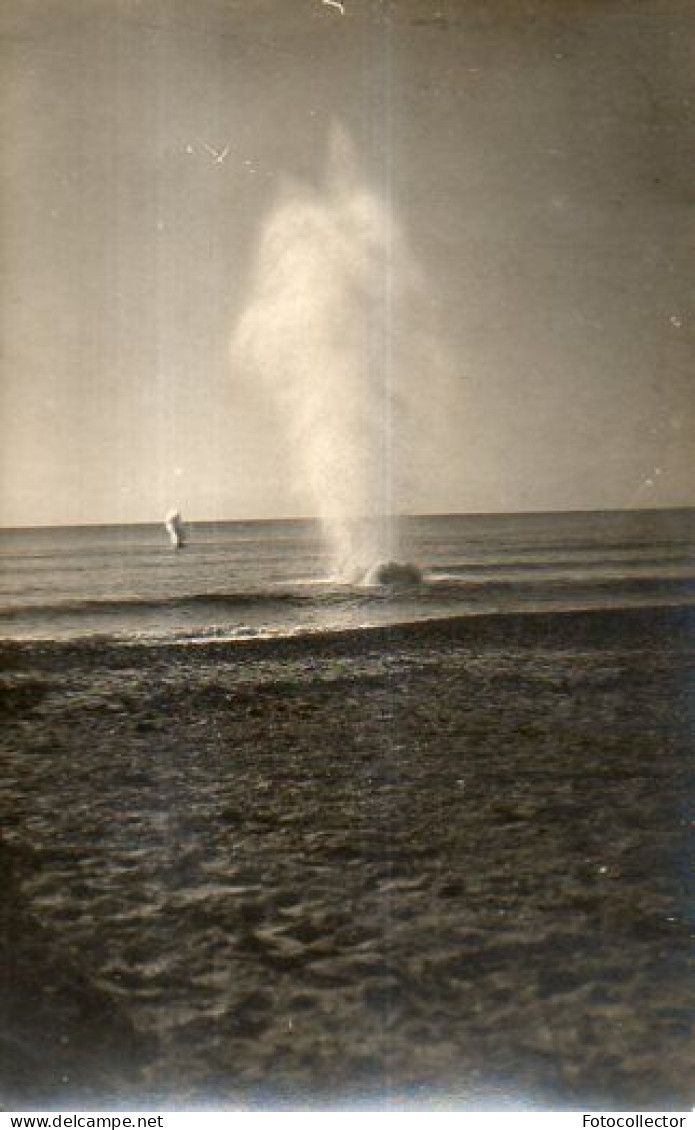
(522, 627)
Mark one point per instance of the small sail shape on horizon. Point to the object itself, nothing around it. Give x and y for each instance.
(174, 528)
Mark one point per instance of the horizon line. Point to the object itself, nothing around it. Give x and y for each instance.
(664, 509)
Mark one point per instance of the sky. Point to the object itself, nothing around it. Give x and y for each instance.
(531, 162)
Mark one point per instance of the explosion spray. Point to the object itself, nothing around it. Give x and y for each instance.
(318, 329)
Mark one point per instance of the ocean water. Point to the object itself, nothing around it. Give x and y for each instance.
(268, 578)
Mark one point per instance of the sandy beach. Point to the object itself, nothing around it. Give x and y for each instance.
(445, 865)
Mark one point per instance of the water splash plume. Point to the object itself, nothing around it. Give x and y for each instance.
(318, 330)
(174, 529)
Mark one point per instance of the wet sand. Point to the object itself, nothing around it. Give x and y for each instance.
(444, 865)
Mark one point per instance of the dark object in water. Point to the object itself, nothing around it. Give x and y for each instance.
(394, 573)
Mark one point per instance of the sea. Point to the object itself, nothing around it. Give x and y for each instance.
(245, 579)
